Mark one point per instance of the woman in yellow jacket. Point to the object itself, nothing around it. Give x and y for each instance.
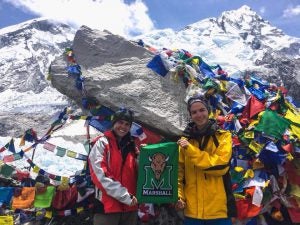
(204, 186)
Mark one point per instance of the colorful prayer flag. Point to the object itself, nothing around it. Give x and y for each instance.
(60, 151)
(157, 65)
(71, 154)
(6, 170)
(6, 220)
(48, 146)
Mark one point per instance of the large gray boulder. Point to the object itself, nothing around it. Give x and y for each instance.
(116, 75)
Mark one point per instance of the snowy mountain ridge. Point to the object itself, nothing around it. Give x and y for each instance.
(26, 51)
(234, 40)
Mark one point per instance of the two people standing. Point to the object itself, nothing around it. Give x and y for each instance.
(204, 186)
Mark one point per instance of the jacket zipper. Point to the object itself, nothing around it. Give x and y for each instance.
(123, 162)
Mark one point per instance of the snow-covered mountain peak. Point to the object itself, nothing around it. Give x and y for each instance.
(23, 49)
(244, 14)
(26, 51)
(42, 23)
(243, 22)
(236, 39)
(41, 28)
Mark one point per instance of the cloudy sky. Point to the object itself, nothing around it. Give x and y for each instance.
(131, 17)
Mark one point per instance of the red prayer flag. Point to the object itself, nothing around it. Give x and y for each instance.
(8, 158)
(256, 106)
(288, 148)
(49, 146)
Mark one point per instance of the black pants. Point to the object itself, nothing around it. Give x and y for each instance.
(122, 218)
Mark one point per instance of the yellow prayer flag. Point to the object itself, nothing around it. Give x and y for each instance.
(295, 118)
(256, 147)
(36, 169)
(238, 169)
(249, 173)
(195, 61)
(48, 214)
(289, 157)
(295, 130)
(64, 185)
(39, 213)
(267, 183)
(65, 180)
(80, 209)
(71, 154)
(6, 220)
(291, 107)
(239, 196)
(249, 134)
(223, 85)
(253, 123)
(292, 116)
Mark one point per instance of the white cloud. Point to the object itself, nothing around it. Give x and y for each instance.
(291, 11)
(113, 15)
(262, 10)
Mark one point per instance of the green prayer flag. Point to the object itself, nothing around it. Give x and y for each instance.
(57, 178)
(6, 170)
(43, 200)
(236, 177)
(158, 173)
(272, 124)
(17, 156)
(210, 83)
(60, 151)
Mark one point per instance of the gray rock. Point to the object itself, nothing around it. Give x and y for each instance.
(278, 69)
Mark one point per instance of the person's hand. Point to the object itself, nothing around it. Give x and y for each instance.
(183, 142)
(180, 204)
(133, 201)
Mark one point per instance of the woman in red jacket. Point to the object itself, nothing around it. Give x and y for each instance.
(113, 167)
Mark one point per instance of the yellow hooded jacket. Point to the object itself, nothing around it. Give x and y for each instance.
(204, 180)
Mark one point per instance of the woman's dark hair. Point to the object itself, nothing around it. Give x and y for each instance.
(200, 99)
(123, 114)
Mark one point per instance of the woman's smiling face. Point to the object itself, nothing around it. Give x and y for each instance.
(121, 128)
(199, 114)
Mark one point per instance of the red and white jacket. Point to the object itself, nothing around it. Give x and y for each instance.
(115, 180)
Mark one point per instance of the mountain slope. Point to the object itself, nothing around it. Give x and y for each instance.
(26, 51)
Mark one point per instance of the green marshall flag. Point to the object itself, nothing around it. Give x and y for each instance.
(158, 173)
